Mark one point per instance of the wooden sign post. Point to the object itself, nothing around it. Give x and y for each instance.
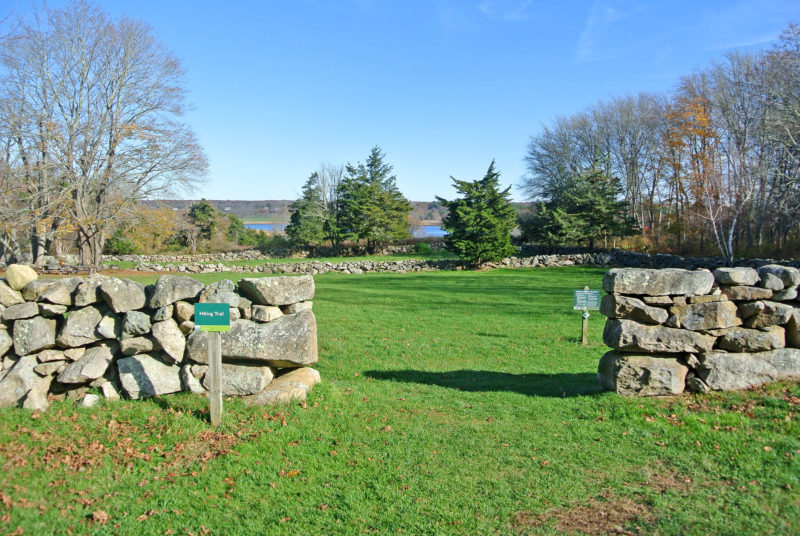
(584, 300)
(213, 318)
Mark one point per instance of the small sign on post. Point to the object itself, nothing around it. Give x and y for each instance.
(583, 301)
(213, 318)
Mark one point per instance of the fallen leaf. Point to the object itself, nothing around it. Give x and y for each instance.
(100, 517)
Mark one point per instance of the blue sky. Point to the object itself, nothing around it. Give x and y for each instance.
(442, 86)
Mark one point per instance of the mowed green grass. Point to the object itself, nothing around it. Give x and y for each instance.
(451, 403)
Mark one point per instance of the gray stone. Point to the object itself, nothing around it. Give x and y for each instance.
(110, 390)
(110, 326)
(770, 281)
(139, 345)
(752, 340)
(36, 399)
(281, 290)
(708, 298)
(265, 313)
(244, 308)
(19, 275)
(92, 365)
(21, 379)
(190, 382)
(792, 330)
(19, 311)
(739, 293)
(34, 334)
(135, 323)
(61, 291)
(772, 314)
(6, 342)
(290, 386)
(630, 336)
(723, 371)
(143, 375)
(736, 276)
(787, 294)
(162, 313)
(73, 354)
(34, 289)
(706, 316)
(294, 308)
(122, 295)
(751, 308)
(289, 341)
(80, 328)
(618, 306)
(171, 339)
(183, 311)
(657, 300)
(695, 385)
(46, 356)
(50, 368)
(90, 400)
(186, 327)
(9, 296)
(88, 292)
(223, 291)
(242, 380)
(52, 309)
(650, 282)
(234, 314)
(789, 275)
(172, 288)
(641, 375)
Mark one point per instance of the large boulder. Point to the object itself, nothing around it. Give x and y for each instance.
(80, 328)
(242, 380)
(289, 341)
(223, 291)
(788, 275)
(34, 289)
(172, 288)
(651, 282)
(92, 365)
(34, 334)
(707, 315)
(20, 380)
(19, 311)
(281, 290)
(736, 276)
(630, 336)
(170, 338)
(771, 282)
(122, 295)
(723, 371)
(138, 345)
(290, 386)
(62, 291)
(9, 296)
(6, 342)
(768, 313)
(641, 375)
(619, 306)
(19, 275)
(752, 340)
(88, 292)
(792, 330)
(265, 313)
(143, 375)
(135, 323)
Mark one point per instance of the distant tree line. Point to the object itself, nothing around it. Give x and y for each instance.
(715, 164)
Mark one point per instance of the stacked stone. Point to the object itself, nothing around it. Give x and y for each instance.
(673, 330)
(61, 337)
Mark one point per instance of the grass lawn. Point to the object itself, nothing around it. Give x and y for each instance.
(451, 403)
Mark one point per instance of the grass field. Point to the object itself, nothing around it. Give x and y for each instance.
(451, 403)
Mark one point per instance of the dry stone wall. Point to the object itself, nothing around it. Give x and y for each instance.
(673, 330)
(61, 337)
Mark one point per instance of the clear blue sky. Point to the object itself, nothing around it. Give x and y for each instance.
(442, 86)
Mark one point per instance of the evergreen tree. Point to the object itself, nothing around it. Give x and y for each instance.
(479, 224)
(585, 208)
(204, 216)
(308, 216)
(371, 206)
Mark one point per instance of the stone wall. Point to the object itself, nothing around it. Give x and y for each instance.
(61, 337)
(673, 330)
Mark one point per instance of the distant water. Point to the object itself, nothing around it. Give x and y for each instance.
(423, 231)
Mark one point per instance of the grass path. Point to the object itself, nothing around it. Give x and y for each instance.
(451, 403)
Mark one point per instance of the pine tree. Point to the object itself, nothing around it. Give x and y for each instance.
(371, 206)
(479, 224)
(308, 217)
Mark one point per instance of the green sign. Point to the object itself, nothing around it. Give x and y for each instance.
(212, 317)
(586, 299)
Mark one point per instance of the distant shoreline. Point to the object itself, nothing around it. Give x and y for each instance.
(267, 222)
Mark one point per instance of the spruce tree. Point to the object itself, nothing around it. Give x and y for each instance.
(308, 216)
(479, 223)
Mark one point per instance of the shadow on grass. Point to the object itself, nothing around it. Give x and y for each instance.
(545, 385)
(183, 404)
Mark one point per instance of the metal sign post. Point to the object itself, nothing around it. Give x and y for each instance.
(213, 318)
(584, 300)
